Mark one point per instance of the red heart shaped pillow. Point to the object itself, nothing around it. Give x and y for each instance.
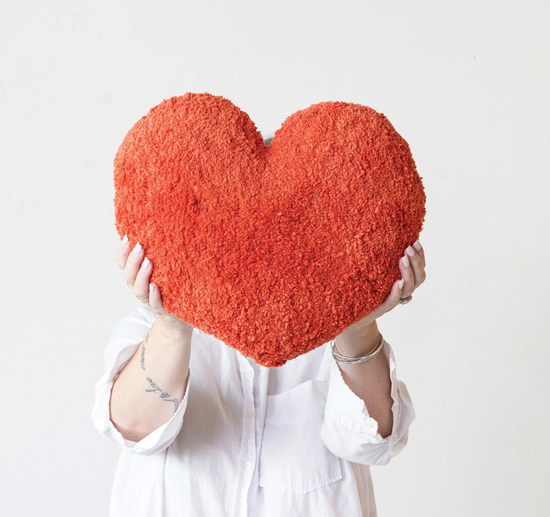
(273, 250)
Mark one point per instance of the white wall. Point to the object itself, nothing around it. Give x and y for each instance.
(466, 83)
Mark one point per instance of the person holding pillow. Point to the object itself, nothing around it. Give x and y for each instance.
(205, 431)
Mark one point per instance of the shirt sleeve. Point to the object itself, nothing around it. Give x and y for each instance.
(349, 431)
(122, 344)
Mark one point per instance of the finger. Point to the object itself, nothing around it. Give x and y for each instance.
(169, 320)
(133, 264)
(396, 293)
(407, 274)
(391, 301)
(155, 299)
(420, 250)
(417, 266)
(393, 298)
(141, 284)
(123, 252)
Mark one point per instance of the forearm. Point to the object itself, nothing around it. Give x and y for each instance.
(370, 380)
(149, 389)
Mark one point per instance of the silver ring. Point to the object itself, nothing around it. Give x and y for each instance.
(121, 268)
(145, 300)
(406, 300)
(129, 285)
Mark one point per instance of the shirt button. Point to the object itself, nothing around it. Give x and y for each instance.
(248, 465)
(251, 414)
(250, 375)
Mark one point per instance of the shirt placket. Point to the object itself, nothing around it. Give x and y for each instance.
(248, 455)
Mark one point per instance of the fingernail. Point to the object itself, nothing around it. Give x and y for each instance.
(137, 249)
(406, 261)
(125, 240)
(146, 263)
(410, 252)
(417, 246)
(401, 282)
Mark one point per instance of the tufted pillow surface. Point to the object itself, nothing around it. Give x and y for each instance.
(273, 249)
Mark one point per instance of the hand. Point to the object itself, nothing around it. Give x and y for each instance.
(412, 266)
(137, 274)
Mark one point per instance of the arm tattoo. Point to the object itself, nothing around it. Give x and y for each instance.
(163, 395)
(143, 351)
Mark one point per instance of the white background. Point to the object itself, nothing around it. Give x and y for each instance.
(465, 83)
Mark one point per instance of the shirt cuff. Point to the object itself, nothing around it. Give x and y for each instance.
(155, 441)
(123, 343)
(348, 417)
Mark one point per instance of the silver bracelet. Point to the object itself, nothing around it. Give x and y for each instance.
(342, 359)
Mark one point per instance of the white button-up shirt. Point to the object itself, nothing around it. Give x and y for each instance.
(248, 440)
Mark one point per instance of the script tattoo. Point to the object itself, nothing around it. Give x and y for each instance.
(143, 352)
(163, 395)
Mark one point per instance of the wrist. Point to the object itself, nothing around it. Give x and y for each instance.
(177, 329)
(358, 341)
